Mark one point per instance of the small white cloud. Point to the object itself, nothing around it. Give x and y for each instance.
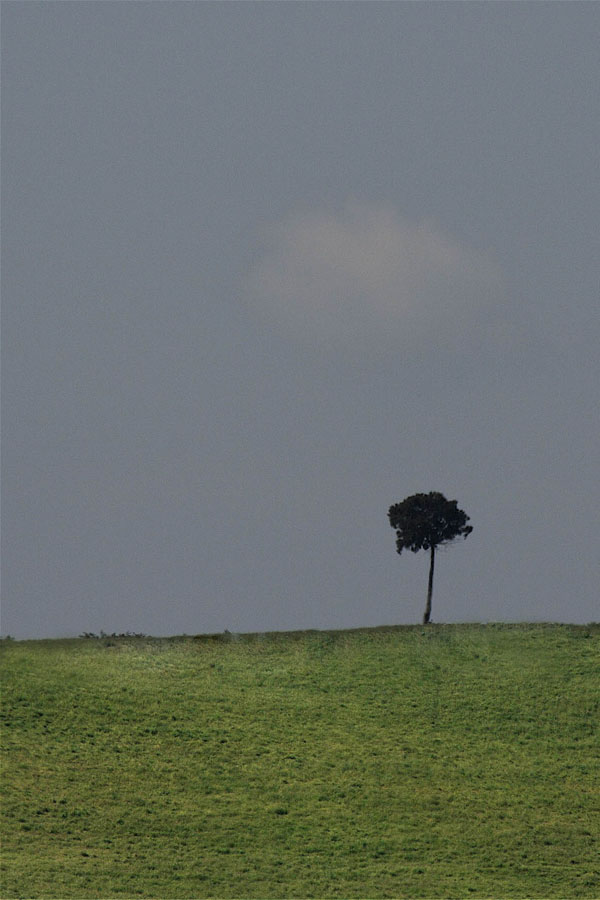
(367, 272)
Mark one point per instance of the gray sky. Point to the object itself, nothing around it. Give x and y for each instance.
(271, 267)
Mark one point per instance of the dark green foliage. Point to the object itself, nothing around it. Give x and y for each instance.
(423, 521)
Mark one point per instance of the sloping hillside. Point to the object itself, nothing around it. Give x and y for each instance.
(451, 761)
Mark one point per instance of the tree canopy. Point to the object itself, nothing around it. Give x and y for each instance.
(427, 520)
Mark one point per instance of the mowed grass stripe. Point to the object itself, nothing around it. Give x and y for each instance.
(404, 762)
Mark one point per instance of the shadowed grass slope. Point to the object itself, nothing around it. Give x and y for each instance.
(451, 761)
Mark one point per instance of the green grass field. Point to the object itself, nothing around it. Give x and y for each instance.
(451, 761)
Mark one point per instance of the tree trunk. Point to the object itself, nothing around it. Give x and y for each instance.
(427, 615)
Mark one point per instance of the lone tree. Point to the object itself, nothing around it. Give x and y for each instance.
(424, 522)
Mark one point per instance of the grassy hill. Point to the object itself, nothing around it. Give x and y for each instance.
(451, 761)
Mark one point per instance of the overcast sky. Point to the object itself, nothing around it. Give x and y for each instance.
(269, 268)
